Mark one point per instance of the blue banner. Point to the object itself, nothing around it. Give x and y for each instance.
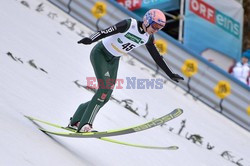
(213, 24)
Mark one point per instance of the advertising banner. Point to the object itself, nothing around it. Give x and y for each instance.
(140, 7)
(213, 24)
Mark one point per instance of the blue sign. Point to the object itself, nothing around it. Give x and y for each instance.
(206, 26)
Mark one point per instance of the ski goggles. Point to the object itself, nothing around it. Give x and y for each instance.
(156, 26)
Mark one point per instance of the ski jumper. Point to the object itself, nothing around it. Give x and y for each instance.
(119, 40)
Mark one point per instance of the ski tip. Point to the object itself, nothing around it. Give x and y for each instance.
(43, 130)
(180, 109)
(172, 148)
(175, 147)
(28, 117)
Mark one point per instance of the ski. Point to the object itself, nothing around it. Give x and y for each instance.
(138, 145)
(130, 144)
(156, 122)
(111, 140)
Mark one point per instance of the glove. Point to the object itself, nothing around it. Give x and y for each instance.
(85, 40)
(176, 77)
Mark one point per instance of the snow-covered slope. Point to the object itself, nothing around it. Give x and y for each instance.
(42, 74)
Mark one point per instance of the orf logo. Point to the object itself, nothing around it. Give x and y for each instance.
(131, 4)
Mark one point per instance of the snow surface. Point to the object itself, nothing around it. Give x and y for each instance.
(40, 64)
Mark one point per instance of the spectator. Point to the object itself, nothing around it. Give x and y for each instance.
(248, 79)
(241, 69)
(230, 70)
